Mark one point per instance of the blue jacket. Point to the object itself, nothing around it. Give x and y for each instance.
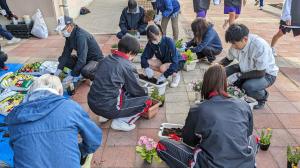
(134, 21)
(44, 132)
(168, 7)
(166, 52)
(210, 39)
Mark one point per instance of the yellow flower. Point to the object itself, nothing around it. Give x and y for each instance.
(269, 129)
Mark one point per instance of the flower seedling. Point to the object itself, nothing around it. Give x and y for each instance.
(155, 95)
(146, 148)
(178, 43)
(293, 156)
(189, 56)
(196, 85)
(265, 136)
(235, 92)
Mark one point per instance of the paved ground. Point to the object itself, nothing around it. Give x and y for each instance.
(282, 112)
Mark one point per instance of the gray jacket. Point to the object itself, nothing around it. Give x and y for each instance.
(86, 46)
(201, 5)
(295, 12)
(115, 75)
(221, 128)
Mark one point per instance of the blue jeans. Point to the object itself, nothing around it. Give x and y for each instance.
(6, 34)
(256, 87)
(261, 3)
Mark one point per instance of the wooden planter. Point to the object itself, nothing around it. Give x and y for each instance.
(153, 110)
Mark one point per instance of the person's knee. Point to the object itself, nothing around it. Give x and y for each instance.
(249, 87)
(120, 35)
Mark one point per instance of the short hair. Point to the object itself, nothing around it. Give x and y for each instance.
(152, 31)
(236, 32)
(47, 81)
(199, 27)
(214, 79)
(129, 44)
(132, 4)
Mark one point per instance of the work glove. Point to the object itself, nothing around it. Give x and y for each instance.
(161, 79)
(68, 79)
(149, 73)
(150, 90)
(233, 78)
(157, 18)
(77, 79)
(183, 47)
(58, 72)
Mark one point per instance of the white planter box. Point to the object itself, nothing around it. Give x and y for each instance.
(161, 88)
(167, 125)
(190, 66)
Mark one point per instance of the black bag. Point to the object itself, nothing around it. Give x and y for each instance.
(84, 11)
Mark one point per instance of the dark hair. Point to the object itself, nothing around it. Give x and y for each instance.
(132, 4)
(199, 28)
(129, 44)
(236, 32)
(214, 79)
(153, 30)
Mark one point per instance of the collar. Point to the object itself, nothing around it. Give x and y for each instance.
(137, 10)
(215, 93)
(73, 33)
(120, 54)
(246, 48)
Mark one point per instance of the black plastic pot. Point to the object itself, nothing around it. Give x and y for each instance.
(264, 147)
(289, 164)
(162, 104)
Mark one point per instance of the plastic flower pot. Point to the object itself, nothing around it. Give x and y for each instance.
(161, 88)
(167, 125)
(197, 96)
(190, 66)
(264, 147)
(153, 110)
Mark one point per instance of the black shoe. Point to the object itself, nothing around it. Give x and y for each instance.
(260, 105)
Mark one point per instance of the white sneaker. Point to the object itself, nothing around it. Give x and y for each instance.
(274, 52)
(261, 8)
(102, 119)
(175, 81)
(14, 41)
(121, 125)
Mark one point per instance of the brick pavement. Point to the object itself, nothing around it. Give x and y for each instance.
(282, 112)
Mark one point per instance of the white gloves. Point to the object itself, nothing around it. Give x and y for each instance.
(58, 72)
(233, 78)
(162, 78)
(183, 47)
(157, 18)
(68, 79)
(150, 90)
(149, 73)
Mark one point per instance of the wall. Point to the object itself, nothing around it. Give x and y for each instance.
(50, 9)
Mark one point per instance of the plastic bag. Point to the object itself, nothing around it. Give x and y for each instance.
(217, 2)
(39, 28)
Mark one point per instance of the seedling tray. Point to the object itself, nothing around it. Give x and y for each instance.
(161, 88)
(168, 126)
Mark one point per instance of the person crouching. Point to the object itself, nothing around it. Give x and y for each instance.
(115, 92)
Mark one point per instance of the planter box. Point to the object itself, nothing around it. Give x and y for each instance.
(167, 125)
(161, 88)
(21, 30)
(190, 66)
(153, 110)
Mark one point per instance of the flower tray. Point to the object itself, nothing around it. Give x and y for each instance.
(152, 82)
(153, 110)
(169, 126)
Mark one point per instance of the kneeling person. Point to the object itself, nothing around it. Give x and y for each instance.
(256, 69)
(115, 92)
(88, 51)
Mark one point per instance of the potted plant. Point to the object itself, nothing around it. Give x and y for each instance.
(196, 86)
(178, 44)
(235, 92)
(191, 60)
(293, 156)
(153, 110)
(114, 47)
(155, 95)
(146, 148)
(265, 138)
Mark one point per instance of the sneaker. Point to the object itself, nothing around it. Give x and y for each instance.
(175, 81)
(14, 41)
(121, 125)
(102, 119)
(261, 8)
(274, 52)
(260, 105)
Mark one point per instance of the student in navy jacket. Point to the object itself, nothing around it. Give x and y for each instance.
(206, 41)
(168, 60)
(132, 20)
(217, 132)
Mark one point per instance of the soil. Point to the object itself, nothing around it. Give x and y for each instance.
(152, 80)
(168, 131)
